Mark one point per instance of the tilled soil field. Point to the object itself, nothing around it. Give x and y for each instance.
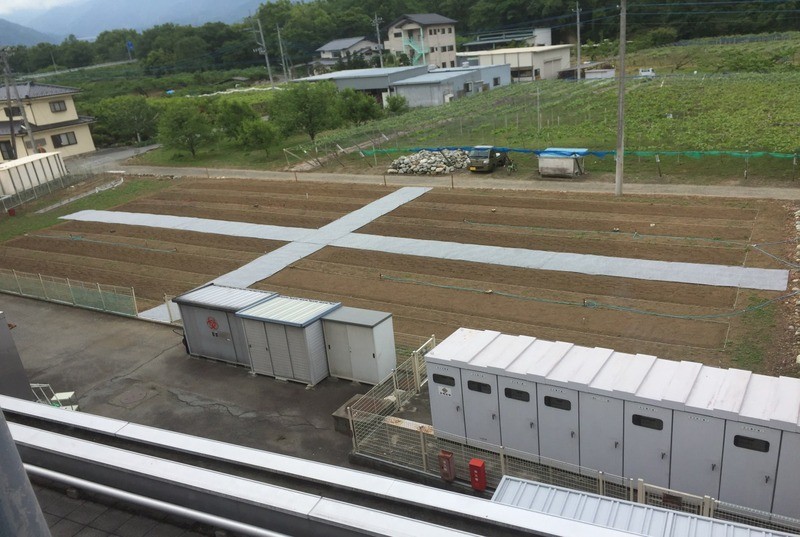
(432, 296)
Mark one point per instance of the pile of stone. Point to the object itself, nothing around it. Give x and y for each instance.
(430, 162)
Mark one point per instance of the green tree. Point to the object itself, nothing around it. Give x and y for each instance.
(230, 116)
(255, 133)
(112, 46)
(307, 107)
(358, 107)
(126, 119)
(184, 125)
(75, 53)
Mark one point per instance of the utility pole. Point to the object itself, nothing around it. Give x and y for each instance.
(377, 20)
(13, 87)
(10, 115)
(578, 14)
(262, 48)
(283, 57)
(621, 100)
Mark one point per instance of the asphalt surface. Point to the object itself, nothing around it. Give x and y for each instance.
(139, 371)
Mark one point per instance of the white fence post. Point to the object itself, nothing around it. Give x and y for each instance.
(424, 446)
(71, 293)
(16, 279)
(640, 492)
(396, 390)
(102, 300)
(136, 308)
(44, 289)
(352, 428)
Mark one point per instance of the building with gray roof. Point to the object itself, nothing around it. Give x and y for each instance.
(440, 86)
(425, 38)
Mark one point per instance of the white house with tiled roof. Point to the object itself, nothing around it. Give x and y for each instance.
(343, 49)
(426, 38)
(53, 119)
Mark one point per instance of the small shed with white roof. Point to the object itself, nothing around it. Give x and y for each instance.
(726, 433)
(285, 338)
(210, 324)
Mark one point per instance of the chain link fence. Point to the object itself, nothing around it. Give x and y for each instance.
(94, 296)
(379, 434)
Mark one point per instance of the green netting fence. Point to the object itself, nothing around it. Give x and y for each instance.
(93, 296)
(596, 153)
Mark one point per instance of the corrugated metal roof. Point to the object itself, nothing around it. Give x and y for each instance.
(622, 515)
(724, 393)
(357, 316)
(435, 77)
(359, 73)
(517, 50)
(223, 298)
(289, 310)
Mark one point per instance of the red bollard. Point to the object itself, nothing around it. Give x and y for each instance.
(477, 474)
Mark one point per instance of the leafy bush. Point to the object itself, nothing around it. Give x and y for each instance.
(396, 105)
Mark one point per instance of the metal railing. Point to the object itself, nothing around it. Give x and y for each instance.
(94, 296)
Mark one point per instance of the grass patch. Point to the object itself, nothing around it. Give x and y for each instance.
(221, 155)
(27, 221)
(758, 324)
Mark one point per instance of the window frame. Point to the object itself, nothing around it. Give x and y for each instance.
(648, 422)
(753, 444)
(558, 403)
(70, 137)
(444, 380)
(479, 387)
(517, 395)
(58, 106)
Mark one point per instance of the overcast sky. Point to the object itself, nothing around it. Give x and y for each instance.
(7, 7)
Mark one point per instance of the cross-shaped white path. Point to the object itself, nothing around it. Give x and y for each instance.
(340, 233)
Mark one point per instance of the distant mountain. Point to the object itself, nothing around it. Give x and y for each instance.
(87, 18)
(16, 34)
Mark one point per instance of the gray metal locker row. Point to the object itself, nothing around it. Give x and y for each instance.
(726, 433)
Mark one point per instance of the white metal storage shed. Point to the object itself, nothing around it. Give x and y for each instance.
(209, 322)
(562, 161)
(724, 433)
(360, 344)
(285, 338)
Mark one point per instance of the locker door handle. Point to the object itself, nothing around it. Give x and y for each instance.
(663, 455)
(572, 434)
(533, 425)
(616, 445)
(713, 466)
(766, 479)
(494, 416)
(458, 408)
